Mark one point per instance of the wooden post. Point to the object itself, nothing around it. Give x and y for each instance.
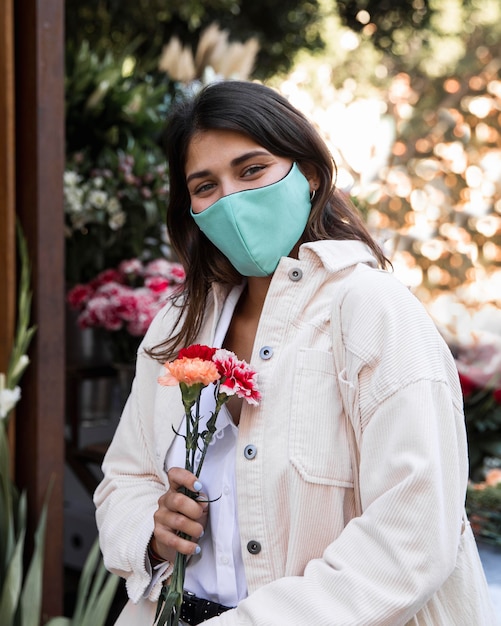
(7, 183)
(39, 63)
(7, 193)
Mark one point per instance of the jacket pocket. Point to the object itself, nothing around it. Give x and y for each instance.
(318, 440)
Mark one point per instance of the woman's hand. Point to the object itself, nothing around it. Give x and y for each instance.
(178, 513)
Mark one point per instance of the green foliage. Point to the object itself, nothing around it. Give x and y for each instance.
(96, 591)
(111, 103)
(116, 177)
(483, 507)
(483, 424)
(20, 593)
(383, 20)
(24, 332)
(282, 29)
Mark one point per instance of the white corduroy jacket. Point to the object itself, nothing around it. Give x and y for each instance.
(309, 559)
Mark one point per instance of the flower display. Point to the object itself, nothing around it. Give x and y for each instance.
(125, 300)
(113, 210)
(195, 368)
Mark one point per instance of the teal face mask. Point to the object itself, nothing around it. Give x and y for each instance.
(256, 227)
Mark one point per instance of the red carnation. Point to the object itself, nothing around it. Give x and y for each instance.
(467, 385)
(197, 351)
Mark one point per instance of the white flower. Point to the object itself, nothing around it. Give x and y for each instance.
(73, 199)
(21, 365)
(98, 182)
(71, 178)
(8, 398)
(113, 205)
(98, 198)
(117, 220)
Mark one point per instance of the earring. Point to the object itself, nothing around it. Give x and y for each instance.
(312, 193)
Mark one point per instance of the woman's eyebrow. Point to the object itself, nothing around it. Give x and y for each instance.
(236, 161)
(248, 155)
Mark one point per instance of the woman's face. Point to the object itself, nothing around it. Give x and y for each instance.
(221, 162)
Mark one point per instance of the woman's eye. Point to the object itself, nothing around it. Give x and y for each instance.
(254, 169)
(203, 188)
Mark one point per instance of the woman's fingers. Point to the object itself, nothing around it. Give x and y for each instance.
(179, 520)
(180, 477)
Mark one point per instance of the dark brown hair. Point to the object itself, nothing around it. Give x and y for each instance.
(271, 121)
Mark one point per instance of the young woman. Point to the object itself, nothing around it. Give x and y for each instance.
(339, 499)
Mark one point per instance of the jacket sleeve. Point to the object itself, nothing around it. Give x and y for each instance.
(401, 387)
(127, 497)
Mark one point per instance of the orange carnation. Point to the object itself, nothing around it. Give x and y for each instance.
(190, 372)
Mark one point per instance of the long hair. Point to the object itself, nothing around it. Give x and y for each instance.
(271, 121)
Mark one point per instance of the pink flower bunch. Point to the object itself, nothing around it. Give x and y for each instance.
(127, 297)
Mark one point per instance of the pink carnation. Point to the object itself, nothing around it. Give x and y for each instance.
(167, 269)
(131, 267)
(106, 276)
(237, 376)
(78, 296)
(110, 290)
(100, 313)
(157, 284)
(178, 273)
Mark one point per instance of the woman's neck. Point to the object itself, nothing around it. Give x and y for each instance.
(254, 295)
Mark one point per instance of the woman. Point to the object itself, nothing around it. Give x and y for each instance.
(339, 499)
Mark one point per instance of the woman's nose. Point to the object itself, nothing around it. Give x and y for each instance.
(228, 187)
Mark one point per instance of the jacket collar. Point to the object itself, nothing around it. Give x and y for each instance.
(337, 255)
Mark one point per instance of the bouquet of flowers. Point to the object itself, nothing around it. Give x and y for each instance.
(125, 300)
(195, 368)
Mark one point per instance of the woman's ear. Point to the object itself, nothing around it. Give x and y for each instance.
(311, 174)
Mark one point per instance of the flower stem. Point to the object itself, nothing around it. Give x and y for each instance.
(172, 595)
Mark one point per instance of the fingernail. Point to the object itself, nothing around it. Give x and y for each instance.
(198, 549)
(197, 486)
(203, 533)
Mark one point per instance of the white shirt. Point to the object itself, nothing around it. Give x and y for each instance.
(217, 573)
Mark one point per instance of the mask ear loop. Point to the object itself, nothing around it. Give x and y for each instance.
(312, 194)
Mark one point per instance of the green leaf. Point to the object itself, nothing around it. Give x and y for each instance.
(11, 588)
(59, 621)
(96, 591)
(97, 611)
(85, 583)
(98, 577)
(7, 531)
(24, 332)
(31, 596)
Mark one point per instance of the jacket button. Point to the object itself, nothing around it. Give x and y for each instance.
(266, 353)
(254, 547)
(250, 451)
(295, 274)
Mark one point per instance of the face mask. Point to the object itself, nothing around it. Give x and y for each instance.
(256, 227)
